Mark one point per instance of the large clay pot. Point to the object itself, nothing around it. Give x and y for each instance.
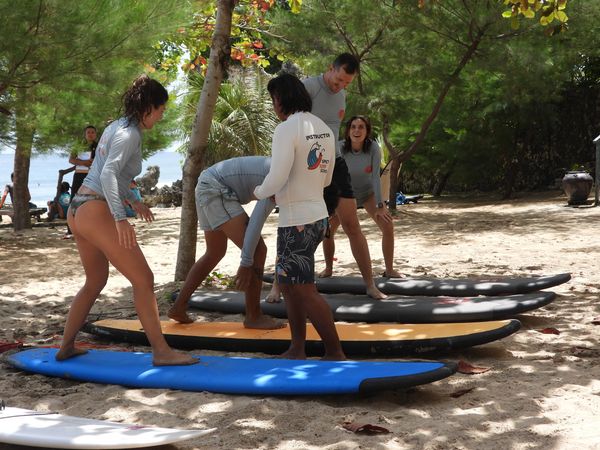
(577, 185)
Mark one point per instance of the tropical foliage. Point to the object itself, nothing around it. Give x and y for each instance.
(468, 101)
(243, 121)
(65, 64)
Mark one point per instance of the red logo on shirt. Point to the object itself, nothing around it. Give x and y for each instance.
(368, 169)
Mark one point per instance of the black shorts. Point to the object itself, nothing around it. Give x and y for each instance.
(341, 178)
(78, 178)
(296, 246)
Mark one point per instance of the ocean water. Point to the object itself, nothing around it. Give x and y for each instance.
(43, 172)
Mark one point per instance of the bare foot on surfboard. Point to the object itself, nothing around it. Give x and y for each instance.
(392, 274)
(326, 272)
(173, 358)
(264, 323)
(179, 316)
(334, 357)
(274, 296)
(69, 352)
(292, 354)
(375, 293)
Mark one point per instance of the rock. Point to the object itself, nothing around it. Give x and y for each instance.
(147, 182)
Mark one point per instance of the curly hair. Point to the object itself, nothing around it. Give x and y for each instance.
(143, 94)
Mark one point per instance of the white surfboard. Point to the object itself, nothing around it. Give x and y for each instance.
(53, 430)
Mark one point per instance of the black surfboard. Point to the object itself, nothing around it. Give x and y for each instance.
(399, 309)
(467, 287)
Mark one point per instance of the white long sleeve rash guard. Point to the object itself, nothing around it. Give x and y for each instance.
(302, 161)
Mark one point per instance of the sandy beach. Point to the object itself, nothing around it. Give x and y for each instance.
(542, 390)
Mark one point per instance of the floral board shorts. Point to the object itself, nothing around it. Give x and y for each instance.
(296, 248)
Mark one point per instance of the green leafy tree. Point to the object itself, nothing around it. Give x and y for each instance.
(65, 64)
(412, 55)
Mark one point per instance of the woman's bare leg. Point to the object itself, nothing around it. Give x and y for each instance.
(95, 266)
(95, 224)
(329, 247)
(387, 239)
(346, 212)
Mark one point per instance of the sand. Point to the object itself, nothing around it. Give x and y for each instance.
(543, 390)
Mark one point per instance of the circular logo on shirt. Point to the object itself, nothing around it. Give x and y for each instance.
(368, 169)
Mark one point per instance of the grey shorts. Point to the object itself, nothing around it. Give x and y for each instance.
(361, 199)
(215, 203)
(296, 248)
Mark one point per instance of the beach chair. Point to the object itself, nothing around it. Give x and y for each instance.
(7, 210)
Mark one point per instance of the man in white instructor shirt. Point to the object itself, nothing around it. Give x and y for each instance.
(302, 160)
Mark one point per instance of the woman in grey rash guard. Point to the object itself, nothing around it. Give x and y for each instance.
(102, 232)
(363, 158)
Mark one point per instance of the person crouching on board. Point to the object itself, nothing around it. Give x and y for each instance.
(221, 191)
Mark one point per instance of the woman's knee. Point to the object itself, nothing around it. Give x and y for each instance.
(96, 282)
(142, 279)
(351, 226)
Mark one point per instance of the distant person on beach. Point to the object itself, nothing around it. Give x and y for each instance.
(102, 232)
(302, 159)
(82, 160)
(8, 192)
(221, 191)
(57, 209)
(328, 94)
(363, 158)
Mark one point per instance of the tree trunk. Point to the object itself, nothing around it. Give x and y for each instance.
(394, 172)
(25, 130)
(220, 50)
(510, 178)
(441, 182)
(61, 175)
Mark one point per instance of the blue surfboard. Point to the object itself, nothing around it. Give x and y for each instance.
(235, 375)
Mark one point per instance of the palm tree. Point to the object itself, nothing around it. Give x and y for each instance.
(243, 121)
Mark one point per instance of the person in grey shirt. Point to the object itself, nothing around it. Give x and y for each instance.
(363, 157)
(221, 191)
(102, 232)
